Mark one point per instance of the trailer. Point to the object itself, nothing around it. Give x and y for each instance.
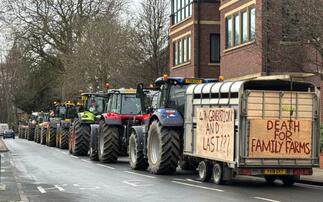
(268, 128)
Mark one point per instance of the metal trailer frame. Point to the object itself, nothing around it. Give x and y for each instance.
(234, 94)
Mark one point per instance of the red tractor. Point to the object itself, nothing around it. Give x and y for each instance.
(124, 110)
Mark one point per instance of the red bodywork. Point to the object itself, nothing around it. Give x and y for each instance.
(112, 115)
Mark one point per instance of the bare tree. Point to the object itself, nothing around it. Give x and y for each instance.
(152, 35)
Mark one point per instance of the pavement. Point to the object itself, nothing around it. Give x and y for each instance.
(315, 179)
(3, 147)
(33, 172)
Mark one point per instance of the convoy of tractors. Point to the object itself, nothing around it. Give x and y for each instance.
(263, 127)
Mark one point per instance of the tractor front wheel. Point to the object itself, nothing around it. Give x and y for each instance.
(108, 144)
(137, 159)
(80, 139)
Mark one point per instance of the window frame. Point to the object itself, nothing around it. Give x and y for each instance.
(180, 55)
(181, 10)
(232, 42)
(211, 48)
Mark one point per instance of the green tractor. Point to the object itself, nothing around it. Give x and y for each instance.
(42, 117)
(56, 116)
(93, 107)
(32, 125)
(67, 118)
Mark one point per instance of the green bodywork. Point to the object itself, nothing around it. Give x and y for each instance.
(87, 116)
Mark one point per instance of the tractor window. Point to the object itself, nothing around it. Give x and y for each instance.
(113, 105)
(61, 111)
(177, 97)
(96, 105)
(130, 105)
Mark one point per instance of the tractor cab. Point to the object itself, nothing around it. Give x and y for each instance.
(173, 90)
(94, 104)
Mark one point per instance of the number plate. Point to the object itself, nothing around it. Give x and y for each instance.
(275, 171)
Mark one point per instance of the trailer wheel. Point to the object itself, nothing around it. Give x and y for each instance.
(137, 159)
(163, 149)
(270, 179)
(218, 174)
(51, 137)
(108, 144)
(205, 171)
(80, 140)
(289, 180)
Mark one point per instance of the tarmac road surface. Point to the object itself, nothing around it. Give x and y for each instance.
(50, 174)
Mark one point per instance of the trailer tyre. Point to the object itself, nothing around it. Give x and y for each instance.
(217, 174)
(270, 179)
(289, 180)
(108, 144)
(163, 149)
(205, 171)
(137, 159)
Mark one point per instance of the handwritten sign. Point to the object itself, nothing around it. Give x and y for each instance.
(280, 138)
(215, 133)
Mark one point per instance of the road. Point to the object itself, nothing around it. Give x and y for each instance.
(50, 174)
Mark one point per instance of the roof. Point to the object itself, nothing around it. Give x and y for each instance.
(98, 94)
(236, 86)
(122, 91)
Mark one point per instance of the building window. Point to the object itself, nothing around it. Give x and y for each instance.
(182, 50)
(244, 30)
(215, 48)
(252, 23)
(228, 32)
(237, 29)
(181, 9)
(240, 27)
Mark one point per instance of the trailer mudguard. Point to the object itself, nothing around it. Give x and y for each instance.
(139, 130)
(169, 117)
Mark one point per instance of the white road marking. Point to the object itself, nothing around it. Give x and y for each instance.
(89, 188)
(191, 180)
(143, 175)
(135, 183)
(59, 188)
(76, 185)
(265, 199)
(75, 157)
(41, 190)
(87, 161)
(2, 170)
(105, 166)
(197, 186)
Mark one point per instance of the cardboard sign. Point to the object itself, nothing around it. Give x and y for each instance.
(280, 138)
(215, 133)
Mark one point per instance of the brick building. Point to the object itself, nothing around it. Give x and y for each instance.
(194, 38)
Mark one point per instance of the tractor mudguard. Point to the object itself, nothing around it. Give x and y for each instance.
(169, 117)
(139, 130)
(111, 119)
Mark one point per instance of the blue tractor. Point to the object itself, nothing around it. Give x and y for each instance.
(158, 145)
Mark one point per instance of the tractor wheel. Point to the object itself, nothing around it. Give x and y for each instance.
(31, 133)
(137, 159)
(163, 149)
(80, 139)
(37, 135)
(43, 135)
(108, 144)
(94, 144)
(58, 137)
(63, 139)
(51, 137)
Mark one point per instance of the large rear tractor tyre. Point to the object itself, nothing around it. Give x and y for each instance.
(108, 144)
(31, 134)
(43, 137)
(63, 140)
(37, 135)
(51, 137)
(80, 139)
(163, 149)
(94, 156)
(137, 159)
